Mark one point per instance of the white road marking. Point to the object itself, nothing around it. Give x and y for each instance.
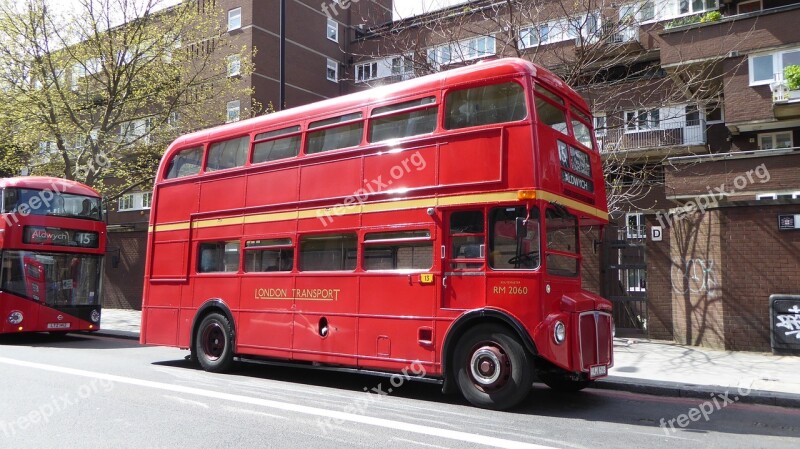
(296, 408)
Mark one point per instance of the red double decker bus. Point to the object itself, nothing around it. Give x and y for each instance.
(431, 223)
(52, 239)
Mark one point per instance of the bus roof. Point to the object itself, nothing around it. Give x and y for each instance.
(49, 183)
(497, 68)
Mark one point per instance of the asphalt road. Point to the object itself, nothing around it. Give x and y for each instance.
(99, 392)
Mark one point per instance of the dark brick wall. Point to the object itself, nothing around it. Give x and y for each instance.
(757, 260)
(122, 285)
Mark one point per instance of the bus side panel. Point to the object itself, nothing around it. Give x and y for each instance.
(168, 261)
(216, 286)
(331, 180)
(175, 203)
(226, 193)
(29, 309)
(419, 215)
(161, 326)
(484, 146)
(265, 316)
(276, 187)
(382, 334)
(408, 169)
(325, 320)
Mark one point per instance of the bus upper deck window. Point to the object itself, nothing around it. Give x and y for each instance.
(228, 154)
(580, 127)
(497, 103)
(551, 112)
(185, 163)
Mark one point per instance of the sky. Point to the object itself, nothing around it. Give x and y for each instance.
(407, 8)
(402, 8)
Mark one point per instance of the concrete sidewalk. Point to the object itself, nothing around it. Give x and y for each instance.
(644, 366)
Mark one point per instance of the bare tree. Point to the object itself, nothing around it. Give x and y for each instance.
(604, 50)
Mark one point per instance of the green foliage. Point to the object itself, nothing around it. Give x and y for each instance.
(85, 99)
(792, 76)
(711, 16)
(686, 20)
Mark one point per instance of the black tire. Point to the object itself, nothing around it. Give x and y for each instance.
(563, 382)
(492, 368)
(213, 343)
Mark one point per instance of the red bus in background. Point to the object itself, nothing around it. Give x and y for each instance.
(433, 223)
(52, 241)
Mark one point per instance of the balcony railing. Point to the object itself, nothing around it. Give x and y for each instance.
(693, 132)
(624, 35)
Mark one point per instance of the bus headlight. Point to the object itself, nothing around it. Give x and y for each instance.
(95, 316)
(15, 317)
(560, 332)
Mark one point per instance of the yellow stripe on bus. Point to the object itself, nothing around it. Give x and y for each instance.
(384, 206)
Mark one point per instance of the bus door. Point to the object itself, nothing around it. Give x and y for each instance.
(464, 255)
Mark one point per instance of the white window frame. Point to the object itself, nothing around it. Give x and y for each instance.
(233, 111)
(777, 65)
(649, 126)
(677, 4)
(134, 201)
(332, 65)
(366, 71)
(234, 65)
(640, 231)
(463, 50)
(235, 19)
(600, 124)
(760, 5)
(710, 107)
(773, 137)
(125, 202)
(333, 26)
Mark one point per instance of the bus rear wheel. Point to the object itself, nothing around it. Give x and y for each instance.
(213, 343)
(493, 369)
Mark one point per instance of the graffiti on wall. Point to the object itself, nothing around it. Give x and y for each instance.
(696, 275)
(791, 322)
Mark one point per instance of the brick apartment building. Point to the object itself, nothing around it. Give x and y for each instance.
(694, 118)
(317, 52)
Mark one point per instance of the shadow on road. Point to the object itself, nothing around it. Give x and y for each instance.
(71, 341)
(590, 405)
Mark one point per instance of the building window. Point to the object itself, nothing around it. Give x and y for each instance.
(332, 71)
(634, 223)
(533, 36)
(332, 31)
(771, 141)
(134, 201)
(233, 111)
(642, 120)
(764, 67)
(136, 131)
(600, 126)
(366, 72)
(714, 113)
(465, 50)
(234, 65)
(749, 6)
(234, 19)
(696, 6)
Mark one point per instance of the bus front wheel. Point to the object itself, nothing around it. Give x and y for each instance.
(493, 370)
(213, 343)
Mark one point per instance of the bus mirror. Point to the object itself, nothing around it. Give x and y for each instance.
(522, 230)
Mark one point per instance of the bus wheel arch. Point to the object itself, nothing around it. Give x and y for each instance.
(213, 336)
(482, 317)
